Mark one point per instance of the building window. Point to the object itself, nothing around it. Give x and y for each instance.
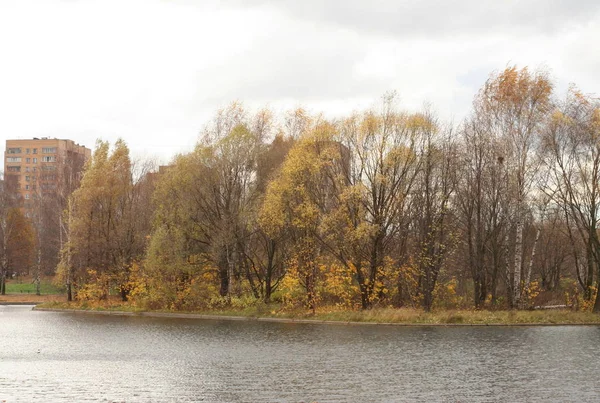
(35, 150)
(26, 169)
(26, 187)
(49, 158)
(28, 160)
(27, 196)
(35, 160)
(13, 159)
(14, 169)
(48, 168)
(15, 150)
(49, 150)
(34, 169)
(27, 151)
(27, 178)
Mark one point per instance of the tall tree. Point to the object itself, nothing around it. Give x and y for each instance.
(380, 163)
(434, 187)
(102, 219)
(514, 105)
(297, 199)
(573, 141)
(212, 191)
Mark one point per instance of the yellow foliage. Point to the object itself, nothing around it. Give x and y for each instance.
(420, 122)
(291, 290)
(530, 292)
(445, 295)
(95, 288)
(339, 288)
(136, 284)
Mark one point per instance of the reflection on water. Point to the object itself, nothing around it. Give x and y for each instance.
(55, 357)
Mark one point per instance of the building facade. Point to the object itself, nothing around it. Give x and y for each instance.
(40, 167)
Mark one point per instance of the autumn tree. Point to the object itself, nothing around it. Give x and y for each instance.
(18, 242)
(208, 196)
(297, 200)
(482, 207)
(513, 106)
(103, 223)
(267, 251)
(380, 162)
(556, 251)
(434, 186)
(572, 140)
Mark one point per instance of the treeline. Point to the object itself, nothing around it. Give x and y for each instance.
(382, 207)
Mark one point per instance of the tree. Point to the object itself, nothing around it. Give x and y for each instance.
(297, 199)
(370, 218)
(104, 237)
(16, 236)
(573, 143)
(267, 251)
(20, 244)
(513, 105)
(481, 206)
(434, 187)
(210, 194)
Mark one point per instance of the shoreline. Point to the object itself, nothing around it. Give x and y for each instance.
(196, 316)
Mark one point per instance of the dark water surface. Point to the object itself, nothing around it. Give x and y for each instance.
(70, 357)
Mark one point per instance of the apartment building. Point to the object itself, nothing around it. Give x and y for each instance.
(39, 167)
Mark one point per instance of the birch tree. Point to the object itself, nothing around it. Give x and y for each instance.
(516, 104)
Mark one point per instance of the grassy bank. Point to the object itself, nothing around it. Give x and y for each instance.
(378, 315)
(23, 290)
(26, 285)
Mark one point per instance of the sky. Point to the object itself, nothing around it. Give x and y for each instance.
(154, 72)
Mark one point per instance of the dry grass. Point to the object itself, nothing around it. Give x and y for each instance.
(379, 315)
(35, 299)
(467, 317)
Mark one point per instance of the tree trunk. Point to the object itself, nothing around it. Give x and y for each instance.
(69, 292)
(223, 267)
(533, 249)
(427, 297)
(311, 292)
(596, 308)
(38, 271)
(268, 289)
(518, 257)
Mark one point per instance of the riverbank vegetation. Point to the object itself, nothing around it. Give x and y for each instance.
(380, 208)
(374, 315)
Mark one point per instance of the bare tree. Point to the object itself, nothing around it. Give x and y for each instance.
(574, 156)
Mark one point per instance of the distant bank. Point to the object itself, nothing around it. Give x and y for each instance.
(383, 316)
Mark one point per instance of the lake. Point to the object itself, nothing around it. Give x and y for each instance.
(76, 357)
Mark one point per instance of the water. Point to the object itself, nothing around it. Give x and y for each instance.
(70, 357)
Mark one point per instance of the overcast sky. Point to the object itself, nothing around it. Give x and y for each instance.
(154, 71)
